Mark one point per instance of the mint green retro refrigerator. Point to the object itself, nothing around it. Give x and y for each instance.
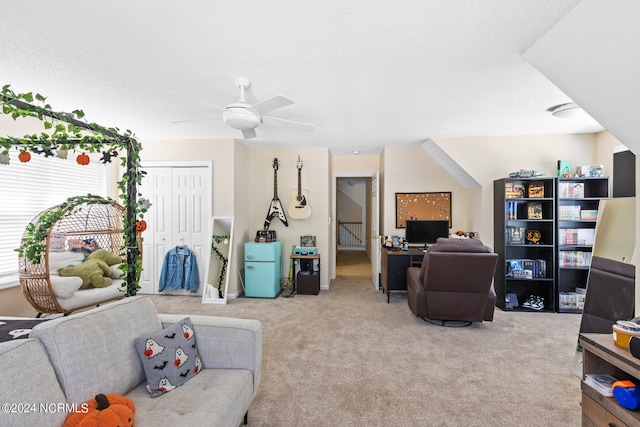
(262, 269)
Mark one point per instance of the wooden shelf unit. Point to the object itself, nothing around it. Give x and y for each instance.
(601, 356)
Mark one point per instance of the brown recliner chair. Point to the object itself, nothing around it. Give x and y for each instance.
(611, 288)
(454, 282)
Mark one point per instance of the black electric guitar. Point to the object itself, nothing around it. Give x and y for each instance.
(275, 210)
(299, 207)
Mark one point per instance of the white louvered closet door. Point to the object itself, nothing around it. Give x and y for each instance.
(178, 216)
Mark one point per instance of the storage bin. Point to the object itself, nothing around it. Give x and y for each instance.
(308, 283)
(568, 300)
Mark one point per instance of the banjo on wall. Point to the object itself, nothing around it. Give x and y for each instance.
(299, 208)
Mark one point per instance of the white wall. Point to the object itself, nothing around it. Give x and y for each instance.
(243, 188)
(412, 170)
(616, 229)
(219, 151)
(403, 169)
(243, 181)
(591, 55)
(240, 212)
(353, 166)
(613, 240)
(314, 177)
(222, 154)
(352, 202)
(489, 158)
(606, 146)
(354, 189)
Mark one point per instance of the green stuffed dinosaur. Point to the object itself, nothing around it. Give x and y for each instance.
(94, 269)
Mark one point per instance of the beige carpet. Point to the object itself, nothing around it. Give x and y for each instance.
(347, 358)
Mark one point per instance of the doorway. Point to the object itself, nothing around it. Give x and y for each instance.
(351, 213)
(356, 225)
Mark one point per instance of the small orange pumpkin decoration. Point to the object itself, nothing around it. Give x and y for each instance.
(141, 226)
(83, 159)
(104, 410)
(24, 156)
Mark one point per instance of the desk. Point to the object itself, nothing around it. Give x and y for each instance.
(393, 271)
(312, 282)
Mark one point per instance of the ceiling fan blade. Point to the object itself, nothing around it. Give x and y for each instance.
(249, 133)
(197, 120)
(270, 104)
(288, 123)
(199, 101)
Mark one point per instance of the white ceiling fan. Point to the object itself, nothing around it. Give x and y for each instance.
(247, 117)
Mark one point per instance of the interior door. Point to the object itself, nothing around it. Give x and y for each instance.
(179, 215)
(197, 222)
(156, 187)
(375, 229)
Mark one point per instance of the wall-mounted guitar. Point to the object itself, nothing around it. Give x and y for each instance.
(275, 210)
(299, 207)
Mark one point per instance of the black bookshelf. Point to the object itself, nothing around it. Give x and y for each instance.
(525, 232)
(578, 200)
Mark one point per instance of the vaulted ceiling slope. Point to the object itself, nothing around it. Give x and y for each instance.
(593, 55)
(366, 74)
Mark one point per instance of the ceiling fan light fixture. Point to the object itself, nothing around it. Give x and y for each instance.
(237, 117)
(567, 111)
(247, 117)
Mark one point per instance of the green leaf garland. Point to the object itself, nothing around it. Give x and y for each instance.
(69, 131)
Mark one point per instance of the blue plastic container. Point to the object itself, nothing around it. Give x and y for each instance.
(627, 397)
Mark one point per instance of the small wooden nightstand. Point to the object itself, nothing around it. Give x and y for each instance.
(601, 356)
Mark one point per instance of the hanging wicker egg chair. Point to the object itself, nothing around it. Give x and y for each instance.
(98, 221)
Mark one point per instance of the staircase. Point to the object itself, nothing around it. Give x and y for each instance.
(350, 234)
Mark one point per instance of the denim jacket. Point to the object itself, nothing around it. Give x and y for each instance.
(179, 270)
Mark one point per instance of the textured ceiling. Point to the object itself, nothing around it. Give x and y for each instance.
(368, 74)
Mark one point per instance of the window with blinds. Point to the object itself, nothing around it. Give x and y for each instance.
(27, 189)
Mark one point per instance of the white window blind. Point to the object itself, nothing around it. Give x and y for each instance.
(27, 189)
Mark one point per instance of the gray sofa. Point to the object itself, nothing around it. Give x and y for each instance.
(69, 360)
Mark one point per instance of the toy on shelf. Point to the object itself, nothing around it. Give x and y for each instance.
(627, 394)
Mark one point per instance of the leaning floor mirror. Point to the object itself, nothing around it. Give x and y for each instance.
(219, 262)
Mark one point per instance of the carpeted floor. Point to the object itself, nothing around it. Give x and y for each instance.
(347, 358)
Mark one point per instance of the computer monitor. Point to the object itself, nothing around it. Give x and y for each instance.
(425, 232)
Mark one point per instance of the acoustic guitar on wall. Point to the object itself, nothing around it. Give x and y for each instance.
(275, 209)
(299, 208)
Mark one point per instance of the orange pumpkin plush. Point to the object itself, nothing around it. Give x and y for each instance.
(105, 410)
